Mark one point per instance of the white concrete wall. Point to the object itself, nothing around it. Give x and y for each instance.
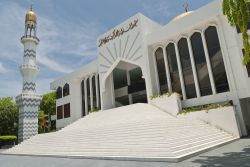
(170, 104)
(131, 47)
(223, 118)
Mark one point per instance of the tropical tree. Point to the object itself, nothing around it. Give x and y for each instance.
(238, 15)
(48, 103)
(8, 117)
(47, 108)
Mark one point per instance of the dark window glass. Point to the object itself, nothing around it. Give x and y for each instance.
(88, 95)
(122, 101)
(66, 90)
(248, 69)
(159, 57)
(83, 98)
(201, 64)
(173, 68)
(120, 78)
(136, 76)
(217, 63)
(248, 65)
(186, 68)
(66, 110)
(59, 93)
(94, 91)
(59, 112)
(137, 86)
(140, 97)
(99, 90)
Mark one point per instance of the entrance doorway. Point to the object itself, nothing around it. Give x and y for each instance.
(129, 85)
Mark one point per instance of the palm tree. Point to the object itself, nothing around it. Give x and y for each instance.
(238, 15)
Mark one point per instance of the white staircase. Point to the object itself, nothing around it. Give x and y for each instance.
(131, 132)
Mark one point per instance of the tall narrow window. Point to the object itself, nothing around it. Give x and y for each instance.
(217, 63)
(94, 91)
(173, 68)
(186, 68)
(98, 77)
(66, 110)
(201, 64)
(159, 57)
(83, 99)
(88, 94)
(66, 90)
(59, 112)
(58, 93)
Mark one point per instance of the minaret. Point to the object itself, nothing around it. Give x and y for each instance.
(28, 102)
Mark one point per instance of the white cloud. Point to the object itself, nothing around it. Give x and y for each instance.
(63, 44)
(2, 69)
(57, 36)
(156, 9)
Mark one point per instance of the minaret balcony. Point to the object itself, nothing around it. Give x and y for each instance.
(30, 37)
(28, 66)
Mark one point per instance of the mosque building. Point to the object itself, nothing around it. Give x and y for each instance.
(197, 54)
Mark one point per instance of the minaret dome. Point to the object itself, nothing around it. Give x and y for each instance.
(30, 17)
(30, 24)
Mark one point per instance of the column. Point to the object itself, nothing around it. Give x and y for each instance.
(97, 91)
(180, 72)
(196, 82)
(209, 67)
(167, 70)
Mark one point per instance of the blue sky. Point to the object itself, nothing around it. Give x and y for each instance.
(68, 30)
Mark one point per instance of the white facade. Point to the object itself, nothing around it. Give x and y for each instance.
(220, 75)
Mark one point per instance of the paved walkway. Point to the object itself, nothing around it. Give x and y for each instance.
(236, 154)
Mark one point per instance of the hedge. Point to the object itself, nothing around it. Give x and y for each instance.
(7, 140)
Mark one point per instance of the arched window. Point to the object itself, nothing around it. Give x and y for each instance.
(186, 68)
(66, 90)
(58, 93)
(83, 98)
(217, 63)
(159, 58)
(173, 68)
(201, 64)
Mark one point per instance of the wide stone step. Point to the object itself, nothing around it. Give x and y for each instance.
(136, 131)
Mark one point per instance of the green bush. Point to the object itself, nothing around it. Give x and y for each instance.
(94, 109)
(7, 140)
(168, 94)
(8, 137)
(206, 107)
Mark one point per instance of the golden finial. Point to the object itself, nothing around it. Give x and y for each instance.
(186, 5)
